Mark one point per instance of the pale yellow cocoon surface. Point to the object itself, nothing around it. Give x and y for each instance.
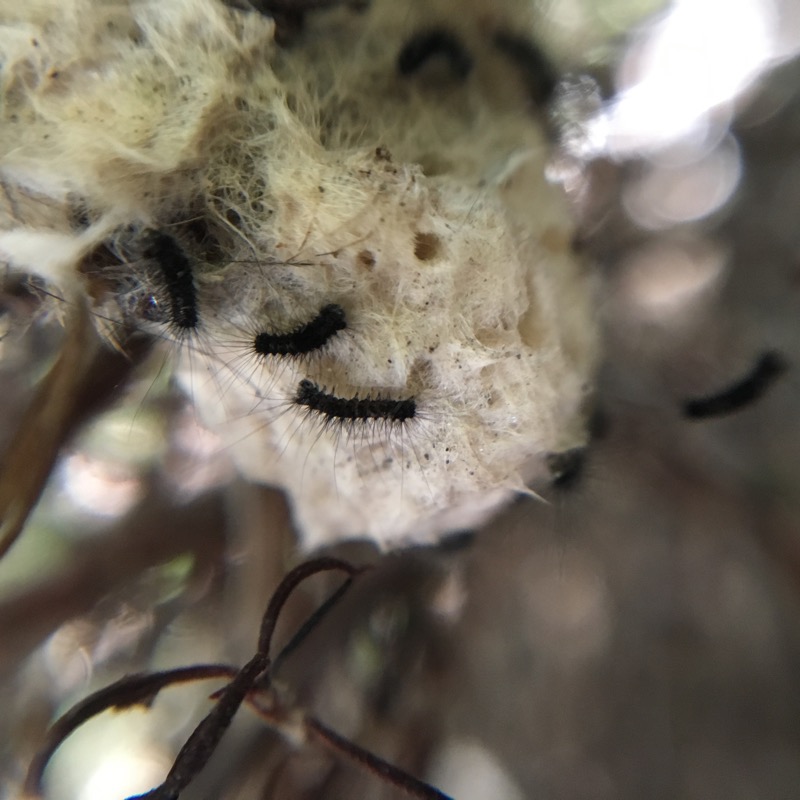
(418, 204)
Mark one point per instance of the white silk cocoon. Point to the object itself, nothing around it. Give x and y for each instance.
(417, 203)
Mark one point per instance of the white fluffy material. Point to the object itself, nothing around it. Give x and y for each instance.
(418, 204)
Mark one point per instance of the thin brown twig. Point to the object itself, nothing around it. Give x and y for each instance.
(132, 690)
(289, 584)
(202, 743)
(84, 379)
(246, 685)
(372, 763)
(305, 629)
(281, 718)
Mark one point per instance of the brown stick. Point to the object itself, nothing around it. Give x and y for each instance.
(84, 377)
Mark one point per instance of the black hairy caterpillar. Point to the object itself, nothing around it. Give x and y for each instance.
(167, 301)
(353, 409)
(538, 74)
(742, 393)
(304, 339)
(176, 270)
(427, 44)
(289, 15)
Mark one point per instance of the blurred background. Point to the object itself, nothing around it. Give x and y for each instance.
(637, 635)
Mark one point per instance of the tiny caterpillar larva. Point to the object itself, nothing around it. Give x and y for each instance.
(537, 73)
(304, 339)
(353, 409)
(176, 270)
(750, 388)
(428, 44)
